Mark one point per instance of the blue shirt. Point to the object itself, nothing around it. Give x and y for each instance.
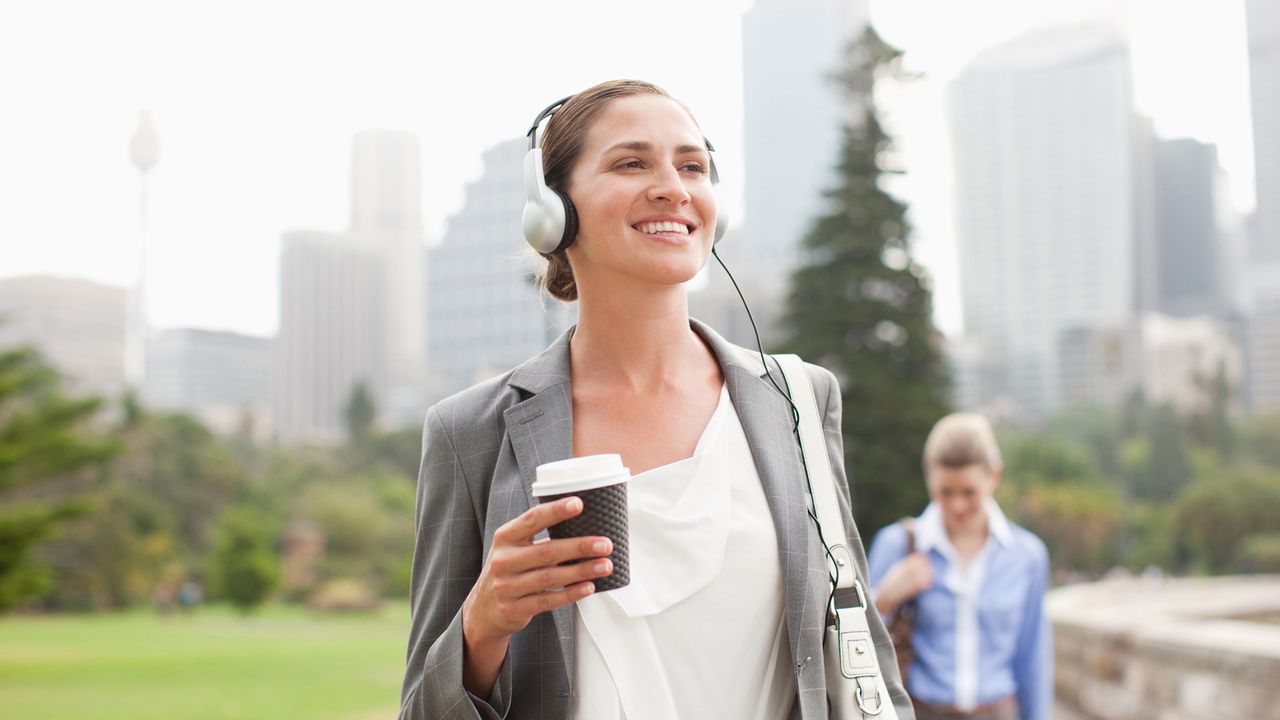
(980, 632)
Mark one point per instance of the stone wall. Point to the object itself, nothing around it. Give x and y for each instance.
(1171, 649)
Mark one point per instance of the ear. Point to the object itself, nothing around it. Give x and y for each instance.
(996, 474)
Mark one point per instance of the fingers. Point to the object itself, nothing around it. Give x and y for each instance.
(555, 577)
(510, 561)
(531, 605)
(536, 519)
(514, 600)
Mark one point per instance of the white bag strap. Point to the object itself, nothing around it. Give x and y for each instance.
(856, 689)
(814, 446)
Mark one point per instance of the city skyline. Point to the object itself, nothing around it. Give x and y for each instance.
(254, 147)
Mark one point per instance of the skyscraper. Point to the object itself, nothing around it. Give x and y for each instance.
(332, 332)
(1263, 20)
(484, 314)
(1196, 231)
(386, 219)
(793, 117)
(1049, 196)
(78, 325)
(222, 378)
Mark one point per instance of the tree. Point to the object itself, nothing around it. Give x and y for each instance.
(45, 442)
(1046, 456)
(244, 567)
(860, 307)
(1160, 467)
(1211, 426)
(359, 414)
(1081, 523)
(1220, 515)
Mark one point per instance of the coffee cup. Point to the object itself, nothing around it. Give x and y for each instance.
(600, 481)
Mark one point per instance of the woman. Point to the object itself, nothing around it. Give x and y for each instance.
(981, 641)
(727, 619)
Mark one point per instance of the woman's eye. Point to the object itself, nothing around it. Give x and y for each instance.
(630, 165)
(694, 167)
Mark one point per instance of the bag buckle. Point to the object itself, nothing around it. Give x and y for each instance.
(861, 699)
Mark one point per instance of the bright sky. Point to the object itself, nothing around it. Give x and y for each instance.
(256, 102)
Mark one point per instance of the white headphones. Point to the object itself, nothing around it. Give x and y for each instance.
(550, 221)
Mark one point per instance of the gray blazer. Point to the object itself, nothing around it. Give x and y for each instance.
(480, 448)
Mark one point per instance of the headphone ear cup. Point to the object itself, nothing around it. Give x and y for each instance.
(570, 232)
(546, 211)
(722, 224)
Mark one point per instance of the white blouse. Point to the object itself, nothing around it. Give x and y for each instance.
(700, 631)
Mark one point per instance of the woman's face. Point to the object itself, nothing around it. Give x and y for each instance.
(646, 210)
(961, 493)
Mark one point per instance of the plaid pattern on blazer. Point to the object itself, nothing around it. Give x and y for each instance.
(480, 448)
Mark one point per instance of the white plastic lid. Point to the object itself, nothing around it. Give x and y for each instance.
(581, 473)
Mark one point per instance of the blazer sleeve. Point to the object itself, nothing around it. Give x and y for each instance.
(447, 559)
(825, 384)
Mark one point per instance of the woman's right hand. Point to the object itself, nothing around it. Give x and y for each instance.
(908, 578)
(522, 578)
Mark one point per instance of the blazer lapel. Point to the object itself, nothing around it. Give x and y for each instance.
(540, 429)
(766, 420)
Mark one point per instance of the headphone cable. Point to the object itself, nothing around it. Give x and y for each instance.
(811, 509)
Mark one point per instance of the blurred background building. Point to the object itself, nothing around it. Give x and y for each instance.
(1199, 247)
(221, 378)
(1263, 335)
(485, 314)
(78, 325)
(1046, 146)
(386, 218)
(332, 332)
(353, 305)
(1263, 23)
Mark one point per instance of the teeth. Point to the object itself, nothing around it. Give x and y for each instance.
(667, 226)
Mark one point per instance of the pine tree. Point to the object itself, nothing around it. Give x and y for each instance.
(44, 441)
(359, 414)
(860, 307)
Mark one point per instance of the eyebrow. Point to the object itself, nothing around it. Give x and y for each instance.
(643, 146)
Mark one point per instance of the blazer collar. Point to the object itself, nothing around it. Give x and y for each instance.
(551, 366)
(540, 429)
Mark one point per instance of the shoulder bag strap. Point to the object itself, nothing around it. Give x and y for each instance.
(819, 465)
(855, 686)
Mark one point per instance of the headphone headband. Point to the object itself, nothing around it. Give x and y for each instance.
(544, 115)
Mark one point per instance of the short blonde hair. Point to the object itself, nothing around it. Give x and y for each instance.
(960, 440)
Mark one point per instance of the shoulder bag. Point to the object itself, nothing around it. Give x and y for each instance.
(855, 686)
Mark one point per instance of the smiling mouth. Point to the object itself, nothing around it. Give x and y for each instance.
(654, 228)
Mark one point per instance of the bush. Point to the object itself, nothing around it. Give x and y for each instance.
(244, 567)
(344, 595)
(1219, 514)
(1261, 553)
(1080, 523)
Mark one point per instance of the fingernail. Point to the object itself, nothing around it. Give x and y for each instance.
(600, 546)
(603, 566)
(574, 504)
(587, 589)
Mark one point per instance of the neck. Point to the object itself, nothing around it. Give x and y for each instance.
(640, 338)
(975, 531)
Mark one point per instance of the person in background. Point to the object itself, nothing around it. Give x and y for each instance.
(981, 640)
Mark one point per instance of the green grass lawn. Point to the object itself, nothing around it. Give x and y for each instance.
(277, 664)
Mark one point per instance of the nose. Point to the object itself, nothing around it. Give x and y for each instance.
(668, 187)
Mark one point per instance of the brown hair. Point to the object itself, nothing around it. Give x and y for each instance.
(960, 440)
(562, 144)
